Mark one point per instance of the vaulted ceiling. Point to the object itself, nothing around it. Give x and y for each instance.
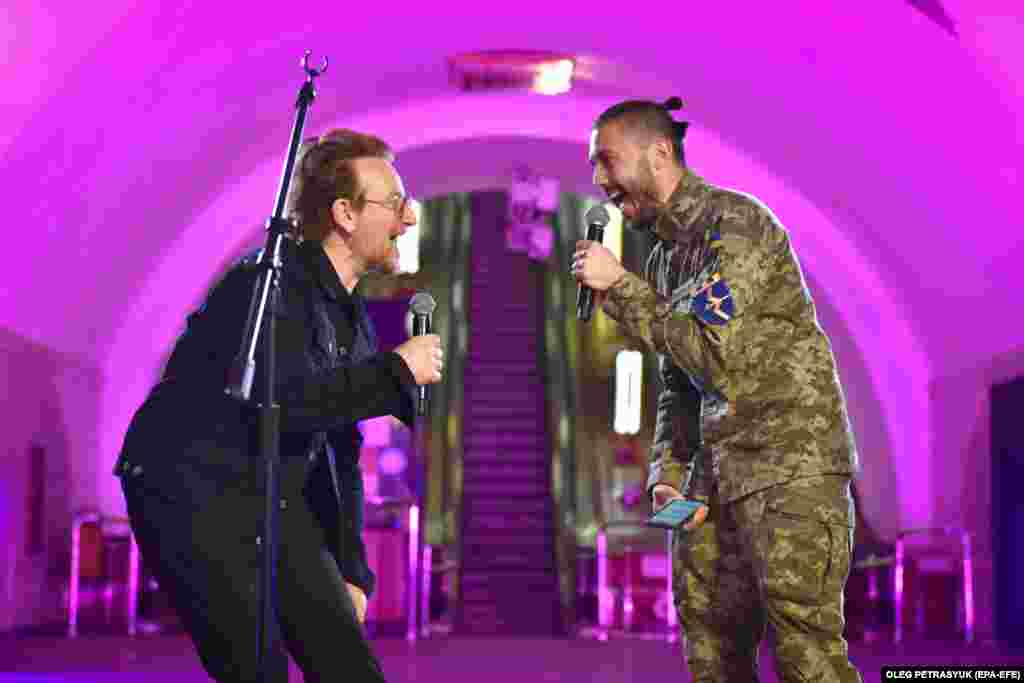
(140, 144)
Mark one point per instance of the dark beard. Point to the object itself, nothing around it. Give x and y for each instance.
(644, 221)
(642, 186)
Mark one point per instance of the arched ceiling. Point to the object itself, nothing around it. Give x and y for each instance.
(122, 120)
(134, 138)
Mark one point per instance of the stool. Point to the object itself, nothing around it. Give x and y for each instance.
(606, 597)
(417, 563)
(869, 612)
(90, 559)
(586, 589)
(436, 567)
(921, 556)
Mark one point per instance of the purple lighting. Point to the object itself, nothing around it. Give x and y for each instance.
(392, 461)
(414, 559)
(896, 169)
(892, 353)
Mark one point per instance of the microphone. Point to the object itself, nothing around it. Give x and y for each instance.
(597, 217)
(422, 306)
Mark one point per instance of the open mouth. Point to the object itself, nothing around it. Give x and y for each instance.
(617, 197)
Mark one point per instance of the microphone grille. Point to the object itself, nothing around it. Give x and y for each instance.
(422, 303)
(597, 215)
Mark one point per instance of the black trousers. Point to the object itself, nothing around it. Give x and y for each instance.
(207, 558)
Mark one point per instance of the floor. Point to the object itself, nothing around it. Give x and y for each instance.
(164, 658)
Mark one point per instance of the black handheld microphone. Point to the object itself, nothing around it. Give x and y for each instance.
(422, 306)
(596, 219)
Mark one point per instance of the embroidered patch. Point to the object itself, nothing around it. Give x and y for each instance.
(713, 237)
(713, 303)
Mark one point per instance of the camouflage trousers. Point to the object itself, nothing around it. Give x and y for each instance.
(778, 556)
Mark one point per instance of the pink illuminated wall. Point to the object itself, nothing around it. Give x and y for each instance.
(446, 124)
(140, 146)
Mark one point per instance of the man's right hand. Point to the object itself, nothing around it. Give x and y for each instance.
(663, 494)
(424, 357)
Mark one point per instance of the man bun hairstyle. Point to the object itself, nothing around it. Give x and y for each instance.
(652, 119)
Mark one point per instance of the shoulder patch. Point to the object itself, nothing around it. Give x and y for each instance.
(713, 303)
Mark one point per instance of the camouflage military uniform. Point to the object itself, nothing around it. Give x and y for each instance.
(752, 420)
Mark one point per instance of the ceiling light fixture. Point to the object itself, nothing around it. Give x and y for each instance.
(546, 73)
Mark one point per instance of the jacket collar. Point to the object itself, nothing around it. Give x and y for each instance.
(686, 204)
(320, 268)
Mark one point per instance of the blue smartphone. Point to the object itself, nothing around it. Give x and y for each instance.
(674, 514)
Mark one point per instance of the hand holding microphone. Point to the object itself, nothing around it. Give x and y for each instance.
(422, 352)
(593, 264)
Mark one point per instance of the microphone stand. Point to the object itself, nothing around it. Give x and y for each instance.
(263, 309)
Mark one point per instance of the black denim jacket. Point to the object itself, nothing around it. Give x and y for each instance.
(196, 441)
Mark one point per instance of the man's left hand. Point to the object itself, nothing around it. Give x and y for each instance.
(595, 266)
(358, 601)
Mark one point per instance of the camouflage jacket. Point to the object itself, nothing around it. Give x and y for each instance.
(750, 395)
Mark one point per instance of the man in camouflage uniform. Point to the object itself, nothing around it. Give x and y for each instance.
(751, 418)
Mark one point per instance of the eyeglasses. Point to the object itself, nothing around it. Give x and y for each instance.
(398, 203)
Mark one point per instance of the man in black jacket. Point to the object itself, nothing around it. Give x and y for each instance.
(190, 465)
